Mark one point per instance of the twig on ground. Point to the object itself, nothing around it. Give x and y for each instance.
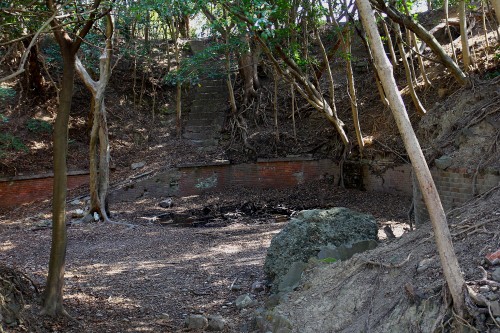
(374, 263)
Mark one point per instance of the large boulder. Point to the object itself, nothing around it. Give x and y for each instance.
(310, 231)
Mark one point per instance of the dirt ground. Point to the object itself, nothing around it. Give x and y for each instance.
(150, 277)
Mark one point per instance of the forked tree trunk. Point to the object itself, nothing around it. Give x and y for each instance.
(99, 167)
(53, 293)
(442, 235)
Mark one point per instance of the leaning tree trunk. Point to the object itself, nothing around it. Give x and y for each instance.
(424, 36)
(416, 101)
(442, 235)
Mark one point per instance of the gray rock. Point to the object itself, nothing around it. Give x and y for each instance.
(346, 251)
(258, 286)
(216, 323)
(484, 289)
(291, 279)
(77, 213)
(424, 264)
(309, 231)
(167, 203)
(495, 308)
(496, 274)
(76, 202)
(443, 162)
(243, 301)
(138, 165)
(236, 287)
(196, 322)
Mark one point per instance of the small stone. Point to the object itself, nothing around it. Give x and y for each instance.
(484, 289)
(167, 203)
(236, 287)
(258, 286)
(96, 217)
(216, 323)
(424, 264)
(443, 162)
(196, 322)
(76, 202)
(77, 213)
(243, 301)
(496, 275)
(493, 258)
(495, 308)
(137, 165)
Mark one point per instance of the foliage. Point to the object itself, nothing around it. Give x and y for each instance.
(6, 93)
(328, 260)
(11, 142)
(39, 126)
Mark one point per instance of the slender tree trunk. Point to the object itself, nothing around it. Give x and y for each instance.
(447, 24)
(464, 37)
(485, 30)
(292, 90)
(394, 59)
(416, 101)
(53, 294)
(424, 36)
(275, 106)
(420, 59)
(442, 234)
(352, 95)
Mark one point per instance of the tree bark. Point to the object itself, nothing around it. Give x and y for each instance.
(409, 79)
(466, 56)
(424, 36)
(53, 293)
(442, 235)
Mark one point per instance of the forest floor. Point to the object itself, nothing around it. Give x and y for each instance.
(150, 277)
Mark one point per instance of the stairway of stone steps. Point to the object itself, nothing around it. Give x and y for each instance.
(208, 110)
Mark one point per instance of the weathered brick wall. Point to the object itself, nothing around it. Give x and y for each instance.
(20, 190)
(456, 186)
(196, 179)
(393, 180)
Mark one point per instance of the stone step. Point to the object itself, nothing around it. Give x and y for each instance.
(205, 89)
(207, 106)
(202, 128)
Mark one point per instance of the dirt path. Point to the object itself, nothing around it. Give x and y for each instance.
(150, 277)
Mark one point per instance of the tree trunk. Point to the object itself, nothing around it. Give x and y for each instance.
(442, 235)
(409, 79)
(394, 59)
(99, 159)
(36, 82)
(352, 95)
(424, 36)
(53, 294)
(447, 24)
(464, 37)
(246, 70)
(496, 6)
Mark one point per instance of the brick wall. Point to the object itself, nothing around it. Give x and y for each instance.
(393, 180)
(455, 187)
(16, 191)
(196, 179)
